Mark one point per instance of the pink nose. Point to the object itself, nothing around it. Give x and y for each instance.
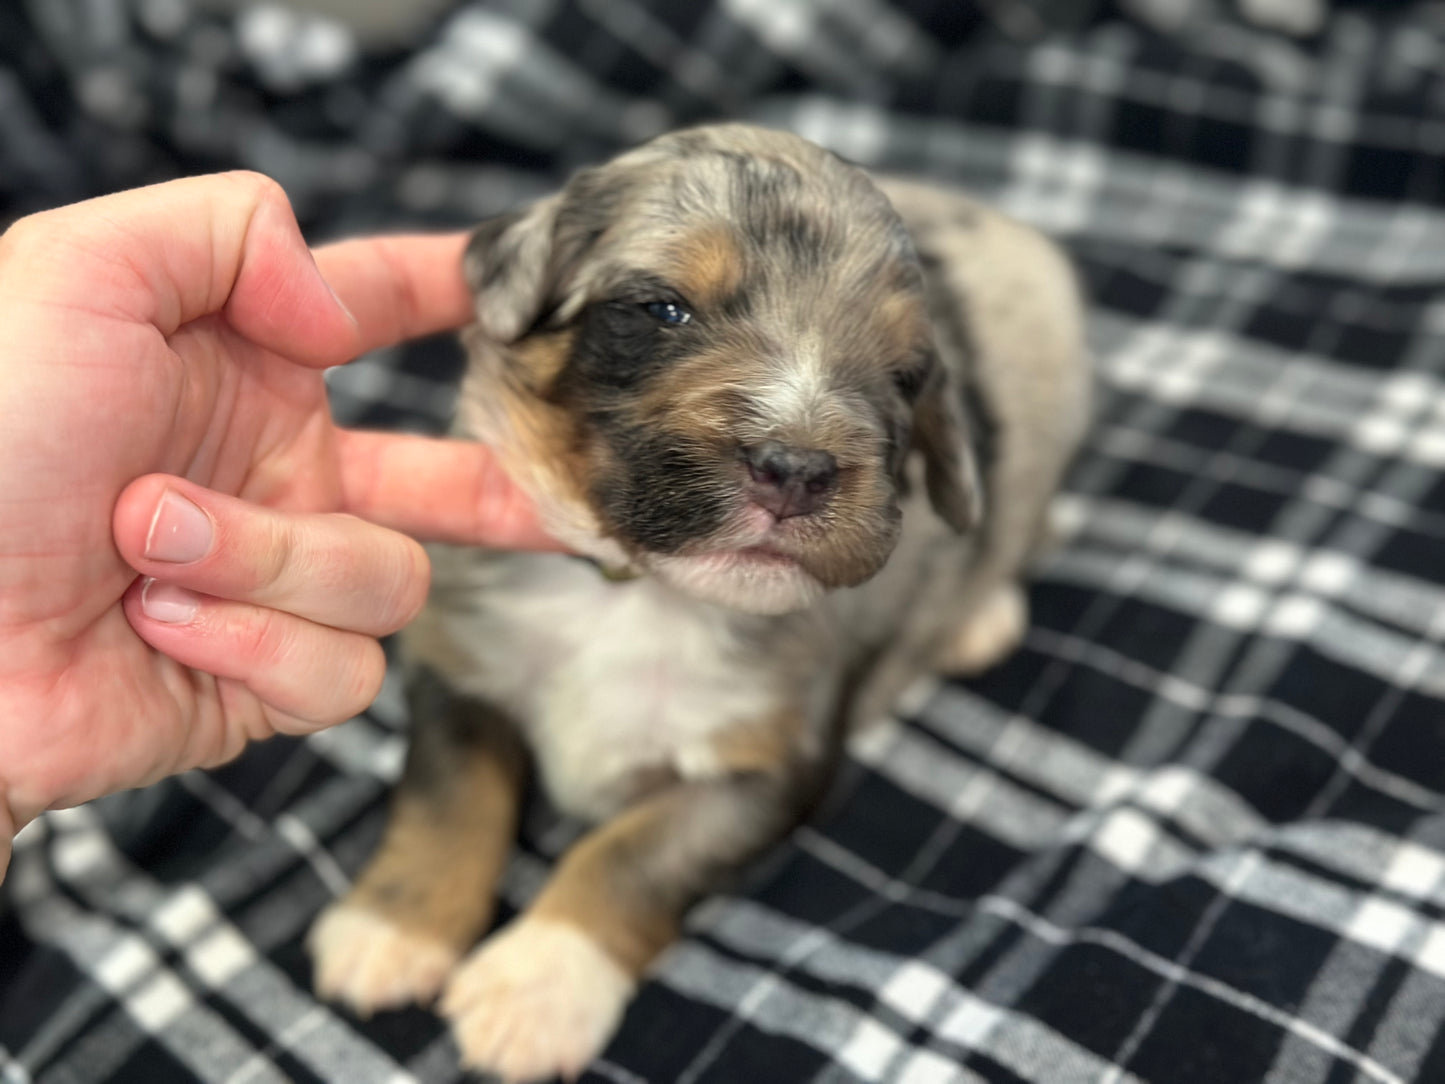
(790, 481)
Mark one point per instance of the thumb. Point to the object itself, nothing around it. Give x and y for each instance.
(278, 298)
(172, 253)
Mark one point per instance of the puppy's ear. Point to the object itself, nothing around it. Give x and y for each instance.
(509, 266)
(527, 265)
(940, 433)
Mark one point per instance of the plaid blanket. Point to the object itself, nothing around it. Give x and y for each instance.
(1192, 832)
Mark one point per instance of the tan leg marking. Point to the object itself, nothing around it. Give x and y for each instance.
(594, 888)
(544, 995)
(428, 892)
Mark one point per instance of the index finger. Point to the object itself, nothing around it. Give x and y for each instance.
(437, 490)
(399, 287)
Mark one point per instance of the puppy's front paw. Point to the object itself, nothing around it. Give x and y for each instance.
(538, 1000)
(369, 963)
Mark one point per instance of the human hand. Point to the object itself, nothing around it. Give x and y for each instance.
(162, 412)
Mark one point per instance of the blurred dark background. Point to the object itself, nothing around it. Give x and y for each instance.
(375, 113)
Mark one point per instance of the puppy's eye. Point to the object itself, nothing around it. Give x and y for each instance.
(668, 312)
(909, 382)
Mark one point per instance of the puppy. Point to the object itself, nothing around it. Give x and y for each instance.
(801, 428)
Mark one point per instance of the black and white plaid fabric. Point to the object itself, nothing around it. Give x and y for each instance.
(1192, 832)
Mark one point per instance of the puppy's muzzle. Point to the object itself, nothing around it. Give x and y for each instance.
(790, 481)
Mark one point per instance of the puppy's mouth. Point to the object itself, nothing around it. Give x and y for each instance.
(755, 536)
(765, 555)
(758, 559)
(758, 566)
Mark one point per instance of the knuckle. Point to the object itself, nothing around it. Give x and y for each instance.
(367, 675)
(35, 245)
(359, 685)
(21, 233)
(395, 575)
(264, 638)
(415, 584)
(258, 187)
(277, 551)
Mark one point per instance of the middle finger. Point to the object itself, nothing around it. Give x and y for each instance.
(329, 568)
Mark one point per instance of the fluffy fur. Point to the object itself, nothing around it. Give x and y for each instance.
(816, 418)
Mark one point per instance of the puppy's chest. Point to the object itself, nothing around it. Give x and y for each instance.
(613, 684)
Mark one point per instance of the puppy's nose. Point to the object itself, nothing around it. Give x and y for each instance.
(790, 481)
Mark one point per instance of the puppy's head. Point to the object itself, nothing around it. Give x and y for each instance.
(709, 359)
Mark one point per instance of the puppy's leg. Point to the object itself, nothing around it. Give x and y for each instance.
(989, 633)
(544, 995)
(429, 891)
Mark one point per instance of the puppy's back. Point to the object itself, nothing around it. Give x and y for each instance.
(1009, 318)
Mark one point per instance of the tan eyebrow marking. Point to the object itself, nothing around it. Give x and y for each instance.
(708, 265)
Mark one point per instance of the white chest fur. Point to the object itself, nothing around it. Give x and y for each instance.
(606, 679)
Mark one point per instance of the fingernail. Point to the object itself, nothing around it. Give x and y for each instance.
(167, 602)
(180, 532)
